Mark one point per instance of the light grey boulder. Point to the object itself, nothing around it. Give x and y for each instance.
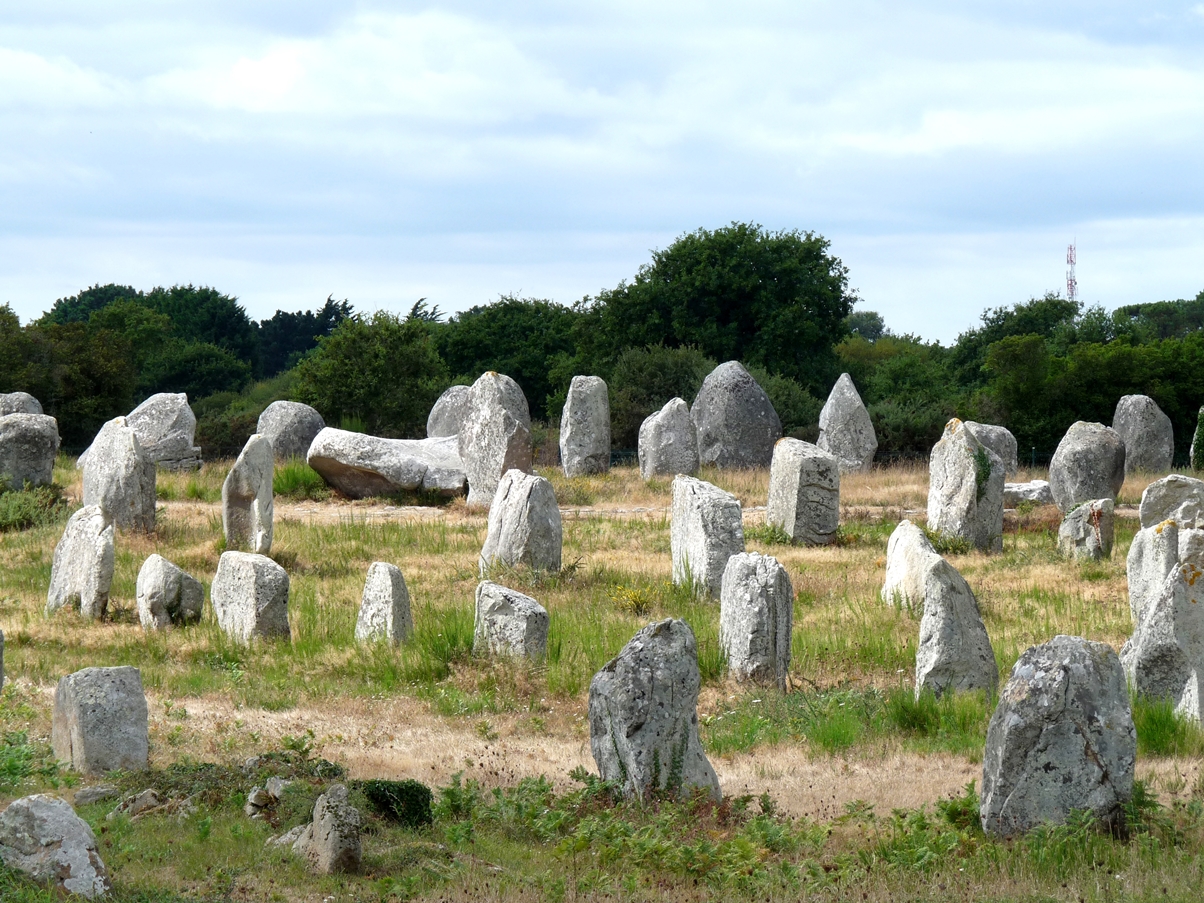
(1086, 532)
(384, 607)
(845, 428)
(166, 427)
(495, 435)
(28, 446)
(736, 423)
(643, 715)
(248, 505)
(524, 525)
(804, 492)
(361, 466)
(447, 414)
(585, 427)
(82, 571)
(43, 838)
(96, 793)
(1061, 739)
(330, 844)
(965, 489)
(1153, 554)
(291, 427)
(100, 720)
(1166, 652)
(1088, 464)
(668, 442)
(19, 403)
(954, 652)
(120, 477)
(1147, 434)
(756, 614)
(249, 594)
(1038, 492)
(1174, 497)
(998, 439)
(707, 529)
(909, 558)
(509, 624)
(167, 595)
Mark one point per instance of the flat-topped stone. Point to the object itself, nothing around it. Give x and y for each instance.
(100, 720)
(361, 466)
(1034, 492)
(756, 614)
(585, 428)
(29, 444)
(509, 623)
(250, 597)
(1086, 532)
(804, 492)
(965, 489)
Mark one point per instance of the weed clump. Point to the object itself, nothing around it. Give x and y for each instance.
(21, 509)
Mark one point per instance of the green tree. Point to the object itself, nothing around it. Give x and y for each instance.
(644, 379)
(866, 323)
(79, 308)
(286, 337)
(1044, 317)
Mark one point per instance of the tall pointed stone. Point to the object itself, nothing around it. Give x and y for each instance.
(737, 425)
(1147, 433)
(845, 428)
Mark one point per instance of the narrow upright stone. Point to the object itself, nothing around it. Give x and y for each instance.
(247, 498)
(668, 442)
(167, 595)
(585, 428)
(120, 477)
(707, 530)
(250, 597)
(524, 525)
(82, 572)
(756, 614)
(1165, 656)
(100, 720)
(330, 844)
(845, 428)
(965, 489)
(1086, 532)
(1152, 556)
(804, 492)
(384, 607)
(509, 623)
(495, 435)
(1147, 433)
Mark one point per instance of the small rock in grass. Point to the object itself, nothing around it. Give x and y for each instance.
(1086, 532)
(167, 595)
(509, 623)
(42, 837)
(100, 720)
(384, 606)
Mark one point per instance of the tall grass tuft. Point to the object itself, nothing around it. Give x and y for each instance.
(295, 479)
(1163, 732)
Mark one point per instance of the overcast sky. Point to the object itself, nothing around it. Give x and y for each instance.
(286, 151)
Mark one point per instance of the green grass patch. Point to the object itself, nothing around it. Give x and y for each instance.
(294, 479)
(40, 506)
(1163, 732)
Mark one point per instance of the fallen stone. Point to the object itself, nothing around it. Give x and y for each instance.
(1089, 464)
(756, 615)
(82, 572)
(384, 607)
(287, 840)
(585, 428)
(447, 415)
(247, 498)
(524, 525)
(137, 804)
(668, 442)
(28, 446)
(1174, 497)
(736, 423)
(845, 428)
(804, 492)
(250, 597)
(495, 435)
(291, 427)
(43, 838)
(1086, 532)
(120, 477)
(330, 844)
(100, 720)
(998, 439)
(97, 793)
(707, 529)
(1166, 652)
(360, 466)
(19, 403)
(1037, 492)
(1153, 554)
(166, 426)
(509, 624)
(1147, 434)
(167, 595)
(965, 489)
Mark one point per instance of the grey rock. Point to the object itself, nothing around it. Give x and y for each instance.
(643, 715)
(804, 492)
(524, 525)
(275, 786)
(288, 839)
(447, 414)
(167, 595)
(384, 607)
(1088, 464)
(97, 793)
(1166, 651)
(257, 800)
(1196, 463)
(736, 423)
(756, 614)
(1061, 739)
(100, 720)
(495, 435)
(82, 572)
(1153, 554)
(706, 530)
(965, 489)
(909, 558)
(954, 653)
(166, 426)
(330, 844)
(250, 597)
(1147, 434)
(120, 477)
(291, 427)
(247, 499)
(668, 442)
(1174, 497)
(28, 446)
(845, 428)
(1038, 492)
(360, 466)
(42, 837)
(1086, 532)
(509, 623)
(998, 439)
(585, 428)
(19, 403)
(137, 804)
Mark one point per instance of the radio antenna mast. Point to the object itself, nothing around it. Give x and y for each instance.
(1072, 284)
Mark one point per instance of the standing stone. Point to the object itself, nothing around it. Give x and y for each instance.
(247, 500)
(1147, 434)
(509, 624)
(707, 529)
(804, 492)
(1165, 655)
(643, 715)
(1061, 739)
(909, 558)
(585, 428)
(42, 837)
(756, 614)
(1152, 556)
(737, 425)
(1089, 464)
(19, 403)
(1086, 532)
(1195, 454)
(166, 426)
(1174, 497)
(250, 597)
(447, 414)
(495, 436)
(291, 427)
(330, 844)
(100, 721)
(167, 595)
(998, 439)
(1038, 492)
(28, 446)
(384, 607)
(954, 653)
(965, 489)
(845, 428)
(360, 466)
(668, 442)
(82, 572)
(120, 477)
(524, 525)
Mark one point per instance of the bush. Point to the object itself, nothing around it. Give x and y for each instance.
(644, 379)
(406, 802)
(21, 509)
(796, 407)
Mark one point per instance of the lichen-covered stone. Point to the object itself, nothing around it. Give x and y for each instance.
(248, 507)
(361, 466)
(1088, 464)
(82, 571)
(495, 435)
(585, 428)
(845, 428)
(100, 720)
(330, 844)
(998, 439)
(1152, 556)
(120, 477)
(736, 423)
(43, 838)
(804, 492)
(1147, 433)
(668, 442)
(28, 446)
(524, 525)
(509, 623)
(250, 597)
(706, 530)
(756, 613)
(1166, 652)
(19, 403)
(447, 414)
(1086, 532)
(167, 595)
(965, 489)
(384, 607)
(1174, 497)
(1036, 492)
(166, 426)
(291, 427)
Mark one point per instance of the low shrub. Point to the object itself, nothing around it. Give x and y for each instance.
(21, 509)
(406, 802)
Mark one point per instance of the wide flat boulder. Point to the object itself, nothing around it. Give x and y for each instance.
(361, 466)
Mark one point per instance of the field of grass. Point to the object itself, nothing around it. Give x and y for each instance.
(843, 788)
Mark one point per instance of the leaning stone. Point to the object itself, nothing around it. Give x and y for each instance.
(19, 403)
(965, 489)
(909, 558)
(509, 624)
(167, 595)
(361, 466)
(1038, 492)
(100, 720)
(524, 525)
(82, 572)
(447, 414)
(668, 442)
(28, 446)
(1147, 434)
(43, 838)
(1061, 739)
(707, 529)
(804, 492)
(247, 498)
(1152, 556)
(756, 614)
(291, 427)
(643, 715)
(1174, 497)
(166, 426)
(120, 477)
(998, 439)
(330, 844)
(845, 428)
(1167, 646)
(250, 597)
(954, 652)
(384, 606)
(737, 425)
(495, 435)
(585, 428)
(1086, 532)
(1089, 464)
